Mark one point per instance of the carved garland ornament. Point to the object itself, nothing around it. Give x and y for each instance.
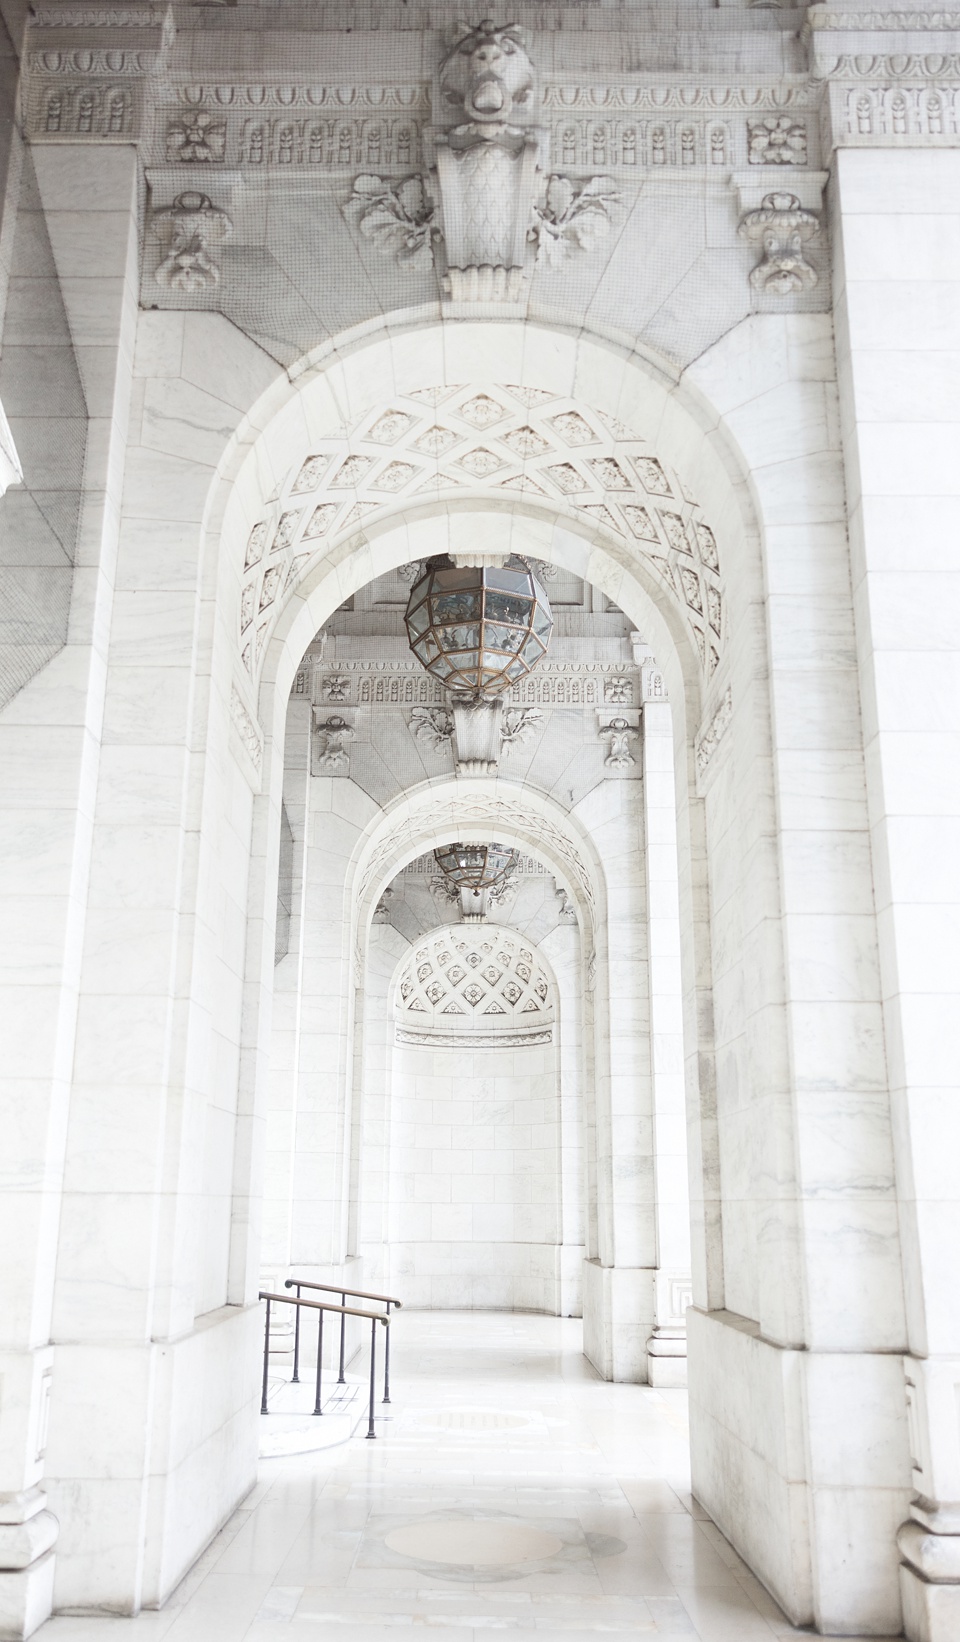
(499, 441)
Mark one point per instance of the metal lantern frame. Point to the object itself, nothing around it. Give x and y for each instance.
(479, 630)
(476, 867)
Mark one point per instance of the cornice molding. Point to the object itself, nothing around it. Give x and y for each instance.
(820, 19)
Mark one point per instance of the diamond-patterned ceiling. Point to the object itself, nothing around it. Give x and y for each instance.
(499, 438)
(464, 979)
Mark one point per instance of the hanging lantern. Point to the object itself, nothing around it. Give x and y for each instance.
(476, 867)
(481, 629)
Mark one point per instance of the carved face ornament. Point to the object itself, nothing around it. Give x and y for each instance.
(488, 75)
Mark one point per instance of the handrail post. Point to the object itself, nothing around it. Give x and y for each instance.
(343, 1330)
(316, 1407)
(373, 1372)
(386, 1361)
(296, 1345)
(266, 1361)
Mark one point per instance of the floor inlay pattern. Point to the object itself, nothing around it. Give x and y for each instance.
(509, 1490)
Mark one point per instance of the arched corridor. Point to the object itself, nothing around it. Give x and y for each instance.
(479, 811)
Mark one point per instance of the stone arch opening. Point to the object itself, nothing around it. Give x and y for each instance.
(328, 447)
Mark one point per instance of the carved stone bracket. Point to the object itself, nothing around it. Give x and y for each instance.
(190, 230)
(333, 736)
(489, 154)
(618, 733)
(782, 227)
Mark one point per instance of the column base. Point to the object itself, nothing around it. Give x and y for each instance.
(26, 1598)
(617, 1320)
(28, 1534)
(667, 1359)
(931, 1611)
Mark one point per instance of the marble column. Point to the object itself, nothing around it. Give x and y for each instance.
(618, 1282)
(281, 1117)
(672, 1289)
(80, 231)
(897, 292)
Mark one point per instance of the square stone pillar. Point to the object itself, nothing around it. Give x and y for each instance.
(897, 292)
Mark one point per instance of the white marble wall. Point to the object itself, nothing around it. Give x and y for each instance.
(475, 1216)
(898, 284)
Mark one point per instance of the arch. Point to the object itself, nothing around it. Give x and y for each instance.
(348, 387)
(492, 443)
(474, 809)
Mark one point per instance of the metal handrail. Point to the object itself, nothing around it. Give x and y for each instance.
(345, 1311)
(338, 1288)
(357, 1294)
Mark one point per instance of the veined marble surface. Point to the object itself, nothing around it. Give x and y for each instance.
(496, 1418)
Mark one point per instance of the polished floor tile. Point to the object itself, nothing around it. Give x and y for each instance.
(582, 1488)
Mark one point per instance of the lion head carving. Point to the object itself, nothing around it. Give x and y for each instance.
(487, 78)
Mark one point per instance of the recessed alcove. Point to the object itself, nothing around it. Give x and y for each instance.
(474, 1095)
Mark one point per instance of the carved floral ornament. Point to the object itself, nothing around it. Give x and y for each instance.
(498, 441)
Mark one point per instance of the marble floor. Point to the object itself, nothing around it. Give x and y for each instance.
(509, 1489)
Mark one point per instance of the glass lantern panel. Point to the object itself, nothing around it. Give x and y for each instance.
(417, 620)
(510, 580)
(466, 637)
(456, 606)
(502, 607)
(505, 639)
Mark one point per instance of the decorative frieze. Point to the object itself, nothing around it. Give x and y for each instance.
(104, 112)
(892, 115)
(197, 139)
(820, 19)
(777, 140)
(247, 729)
